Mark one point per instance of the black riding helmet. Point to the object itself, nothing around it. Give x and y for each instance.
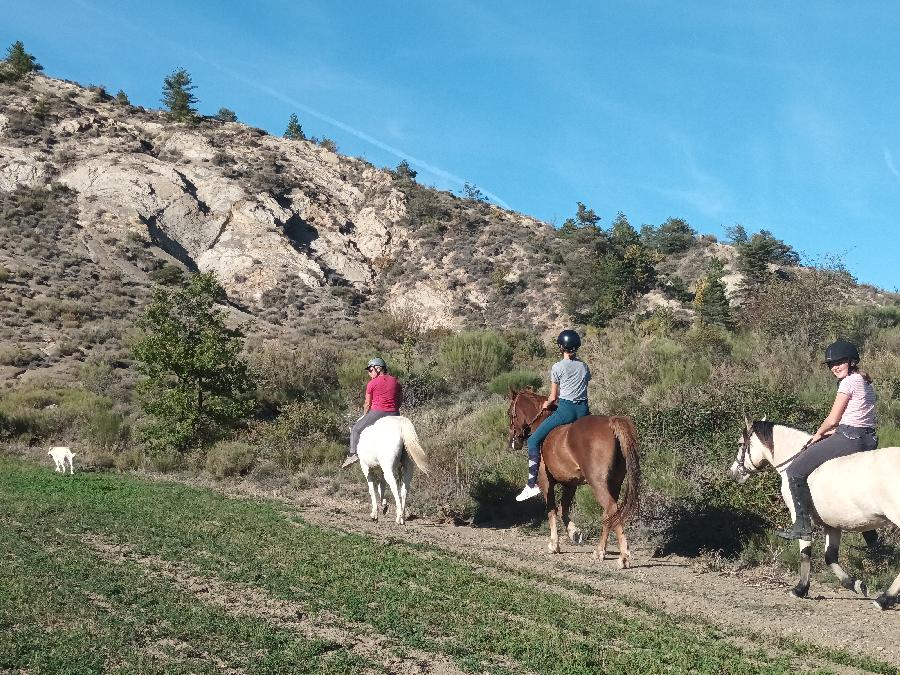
(569, 340)
(841, 351)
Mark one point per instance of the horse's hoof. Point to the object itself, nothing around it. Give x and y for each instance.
(553, 549)
(800, 591)
(858, 586)
(599, 556)
(384, 507)
(578, 538)
(623, 563)
(884, 601)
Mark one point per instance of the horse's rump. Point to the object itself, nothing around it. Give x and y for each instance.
(592, 448)
(851, 492)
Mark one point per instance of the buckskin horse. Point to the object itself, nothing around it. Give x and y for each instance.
(599, 451)
(852, 494)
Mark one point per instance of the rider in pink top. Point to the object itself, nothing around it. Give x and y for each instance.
(383, 396)
(849, 428)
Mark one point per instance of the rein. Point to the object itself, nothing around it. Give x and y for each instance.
(745, 456)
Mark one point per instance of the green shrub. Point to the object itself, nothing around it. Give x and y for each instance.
(473, 358)
(168, 274)
(301, 434)
(514, 380)
(131, 458)
(229, 458)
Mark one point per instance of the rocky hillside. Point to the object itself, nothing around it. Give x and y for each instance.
(100, 201)
(293, 230)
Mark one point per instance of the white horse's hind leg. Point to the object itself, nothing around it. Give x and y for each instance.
(802, 587)
(889, 598)
(832, 546)
(373, 491)
(382, 496)
(391, 480)
(408, 467)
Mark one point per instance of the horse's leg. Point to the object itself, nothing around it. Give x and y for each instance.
(889, 598)
(802, 587)
(373, 491)
(600, 552)
(568, 494)
(832, 546)
(391, 480)
(547, 487)
(408, 466)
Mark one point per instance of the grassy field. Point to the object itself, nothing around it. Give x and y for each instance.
(110, 573)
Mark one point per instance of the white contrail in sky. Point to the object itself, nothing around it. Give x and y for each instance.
(889, 160)
(312, 112)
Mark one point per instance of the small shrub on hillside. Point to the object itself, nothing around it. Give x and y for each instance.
(525, 345)
(16, 355)
(287, 372)
(167, 274)
(421, 387)
(298, 435)
(515, 380)
(472, 358)
(229, 458)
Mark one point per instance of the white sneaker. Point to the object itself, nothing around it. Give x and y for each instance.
(527, 493)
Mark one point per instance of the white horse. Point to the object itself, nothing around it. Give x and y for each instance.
(388, 444)
(60, 455)
(853, 493)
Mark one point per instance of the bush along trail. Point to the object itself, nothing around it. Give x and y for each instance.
(111, 573)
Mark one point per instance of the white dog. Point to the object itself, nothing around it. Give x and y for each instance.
(60, 455)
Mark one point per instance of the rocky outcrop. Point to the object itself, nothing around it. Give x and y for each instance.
(262, 212)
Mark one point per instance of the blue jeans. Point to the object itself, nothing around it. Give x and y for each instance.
(566, 412)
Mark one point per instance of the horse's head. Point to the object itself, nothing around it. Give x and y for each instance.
(524, 407)
(754, 449)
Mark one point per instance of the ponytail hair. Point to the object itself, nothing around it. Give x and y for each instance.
(854, 368)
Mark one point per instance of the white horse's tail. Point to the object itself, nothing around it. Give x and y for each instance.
(411, 443)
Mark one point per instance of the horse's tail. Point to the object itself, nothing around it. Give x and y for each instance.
(411, 443)
(626, 434)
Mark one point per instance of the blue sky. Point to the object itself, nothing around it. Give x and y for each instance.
(774, 115)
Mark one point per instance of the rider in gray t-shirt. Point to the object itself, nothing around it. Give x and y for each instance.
(568, 392)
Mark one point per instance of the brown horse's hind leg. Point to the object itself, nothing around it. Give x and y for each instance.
(568, 494)
(610, 508)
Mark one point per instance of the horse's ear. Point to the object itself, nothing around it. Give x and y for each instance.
(764, 418)
(748, 425)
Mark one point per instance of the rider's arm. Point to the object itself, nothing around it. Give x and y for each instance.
(837, 411)
(554, 395)
(368, 403)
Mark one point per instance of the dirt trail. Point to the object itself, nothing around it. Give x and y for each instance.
(747, 603)
(753, 607)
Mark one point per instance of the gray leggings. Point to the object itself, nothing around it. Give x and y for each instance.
(846, 440)
(369, 418)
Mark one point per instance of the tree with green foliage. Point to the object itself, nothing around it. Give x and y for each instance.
(472, 192)
(673, 236)
(294, 131)
(196, 384)
(710, 298)
(405, 172)
(757, 256)
(122, 98)
(226, 115)
(177, 96)
(18, 63)
(622, 234)
(736, 234)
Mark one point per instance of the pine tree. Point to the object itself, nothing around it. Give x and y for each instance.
(177, 96)
(196, 384)
(405, 172)
(294, 131)
(710, 298)
(122, 98)
(18, 62)
(226, 115)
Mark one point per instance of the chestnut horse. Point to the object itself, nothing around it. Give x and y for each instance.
(599, 451)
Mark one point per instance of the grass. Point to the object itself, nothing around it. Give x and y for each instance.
(438, 603)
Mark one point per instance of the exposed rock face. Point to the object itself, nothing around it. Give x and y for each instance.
(265, 213)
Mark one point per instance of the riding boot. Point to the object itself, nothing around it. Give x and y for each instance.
(802, 527)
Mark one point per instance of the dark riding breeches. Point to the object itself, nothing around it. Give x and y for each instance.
(846, 440)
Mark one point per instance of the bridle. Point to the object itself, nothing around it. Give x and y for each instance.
(526, 428)
(746, 456)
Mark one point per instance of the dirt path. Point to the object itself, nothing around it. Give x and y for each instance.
(745, 602)
(753, 607)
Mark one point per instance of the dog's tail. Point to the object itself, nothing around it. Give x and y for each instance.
(411, 443)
